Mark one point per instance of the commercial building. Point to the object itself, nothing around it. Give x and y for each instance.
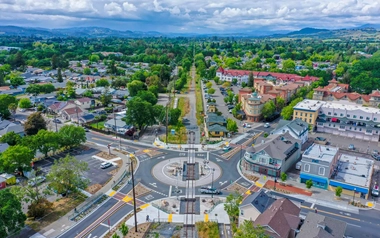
(354, 175)
(272, 155)
(318, 164)
(252, 103)
(296, 128)
(342, 118)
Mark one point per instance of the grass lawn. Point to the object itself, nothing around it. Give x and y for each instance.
(99, 125)
(199, 101)
(184, 105)
(60, 208)
(178, 138)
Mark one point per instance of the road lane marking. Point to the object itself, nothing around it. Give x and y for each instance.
(170, 191)
(127, 199)
(248, 192)
(352, 224)
(312, 205)
(111, 193)
(206, 218)
(144, 206)
(331, 213)
(170, 218)
(104, 225)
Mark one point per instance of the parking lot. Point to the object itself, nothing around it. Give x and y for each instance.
(95, 174)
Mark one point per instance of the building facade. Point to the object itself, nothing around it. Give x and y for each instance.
(272, 155)
(296, 128)
(252, 104)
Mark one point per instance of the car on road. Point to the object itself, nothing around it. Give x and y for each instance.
(86, 129)
(320, 140)
(105, 165)
(230, 111)
(266, 125)
(37, 180)
(209, 190)
(56, 120)
(376, 157)
(375, 190)
(226, 148)
(351, 147)
(230, 106)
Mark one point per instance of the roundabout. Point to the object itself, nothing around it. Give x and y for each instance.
(170, 172)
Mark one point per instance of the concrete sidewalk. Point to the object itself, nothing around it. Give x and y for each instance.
(63, 224)
(155, 214)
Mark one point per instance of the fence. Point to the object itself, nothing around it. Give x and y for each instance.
(86, 207)
(117, 182)
(160, 208)
(215, 204)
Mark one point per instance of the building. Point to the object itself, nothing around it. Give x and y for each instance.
(280, 220)
(254, 205)
(318, 164)
(116, 124)
(252, 103)
(340, 118)
(215, 126)
(296, 128)
(85, 102)
(3, 147)
(71, 114)
(317, 225)
(272, 155)
(354, 175)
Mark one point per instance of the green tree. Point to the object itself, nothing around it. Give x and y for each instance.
(19, 60)
(46, 141)
(140, 113)
(12, 108)
(268, 109)
(102, 83)
(15, 79)
(284, 176)
(338, 191)
(134, 87)
(11, 215)
(67, 174)
(280, 103)
(211, 91)
(148, 96)
(309, 95)
(59, 75)
(24, 103)
(118, 83)
(47, 88)
(5, 101)
(86, 71)
(54, 61)
(288, 65)
(309, 183)
(11, 138)
(248, 230)
(208, 85)
(154, 89)
(16, 157)
(232, 125)
(232, 204)
(115, 235)
(105, 98)
(124, 229)
(34, 123)
(33, 89)
(72, 136)
(88, 93)
(94, 58)
(234, 81)
(174, 114)
(250, 82)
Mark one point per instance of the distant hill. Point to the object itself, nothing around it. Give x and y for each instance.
(307, 31)
(375, 26)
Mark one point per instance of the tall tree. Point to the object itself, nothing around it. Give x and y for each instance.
(105, 98)
(148, 96)
(34, 89)
(19, 60)
(250, 82)
(16, 157)
(280, 103)
(59, 75)
(15, 79)
(2, 78)
(24, 103)
(102, 83)
(231, 125)
(134, 87)
(174, 115)
(268, 109)
(140, 113)
(46, 141)
(71, 135)
(34, 123)
(5, 101)
(54, 61)
(288, 65)
(11, 215)
(232, 204)
(67, 174)
(11, 138)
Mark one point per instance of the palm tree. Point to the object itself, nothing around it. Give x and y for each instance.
(124, 229)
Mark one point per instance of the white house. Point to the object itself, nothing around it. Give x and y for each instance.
(297, 128)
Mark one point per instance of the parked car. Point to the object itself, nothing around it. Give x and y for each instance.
(266, 125)
(226, 148)
(298, 165)
(131, 130)
(376, 157)
(105, 165)
(209, 190)
(230, 111)
(375, 190)
(230, 106)
(320, 140)
(56, 120)
(37, 180)
(351, 147)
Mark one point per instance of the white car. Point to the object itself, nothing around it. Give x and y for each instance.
(37, 180)
(266, 125)
(105, 165)
(248, 125)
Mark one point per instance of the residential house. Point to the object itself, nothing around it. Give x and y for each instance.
(121, 94)
(80, 91)
(272, 155)
(296, 128)
(86, 118)
(13, 92)
(317, 225)
(280, 219)
(8, 126)
(116, 124)
(215, 126)
(85, 102)
(71, 114)
(39, 79)
(318, 164)
(254, 205)
(3, 147)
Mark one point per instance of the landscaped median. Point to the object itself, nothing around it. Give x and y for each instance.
(199, 101)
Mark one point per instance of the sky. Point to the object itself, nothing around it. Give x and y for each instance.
(191, 16)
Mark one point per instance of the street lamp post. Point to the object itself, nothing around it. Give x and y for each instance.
(212, 183)
(353, 197)
(133, 192)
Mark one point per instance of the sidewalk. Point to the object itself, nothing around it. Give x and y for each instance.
(62, 224)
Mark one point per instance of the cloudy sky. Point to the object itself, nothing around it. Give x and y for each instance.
(202, 16)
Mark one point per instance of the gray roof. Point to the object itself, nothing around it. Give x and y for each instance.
(217, 127)
(16, 128)
(80, 91)
(212, 117)
(3, 147)
(119, 123)
(297, 126)
(319, 226)
(260, 200)
(276, 146)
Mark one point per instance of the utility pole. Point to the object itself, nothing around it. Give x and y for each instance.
(55, 121)
(212, 183)
(76, 109)
(167, 121)
(134, 195)
(114, 118)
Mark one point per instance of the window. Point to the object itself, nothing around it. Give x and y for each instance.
(311, 115)
(368, 131)
(335, 114)
(329, 113)
(348, 115)
(342, 127)
(305, 114)
(329, 124)
(354, 116)
(301, 114)
(217, 132)
(320, 124)
(341, 114)
(321, 171)
(367, 118)
(309, 120)
(296, 113)
(361, 117)
(306, 168)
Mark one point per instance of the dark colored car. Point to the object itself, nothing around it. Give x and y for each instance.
(131, 130)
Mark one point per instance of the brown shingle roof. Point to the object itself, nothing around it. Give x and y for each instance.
(71, 111)
(281, 217)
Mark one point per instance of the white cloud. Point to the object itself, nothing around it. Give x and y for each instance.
(175, 10)
(113, 8)
(202, 10)
(129, 7)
